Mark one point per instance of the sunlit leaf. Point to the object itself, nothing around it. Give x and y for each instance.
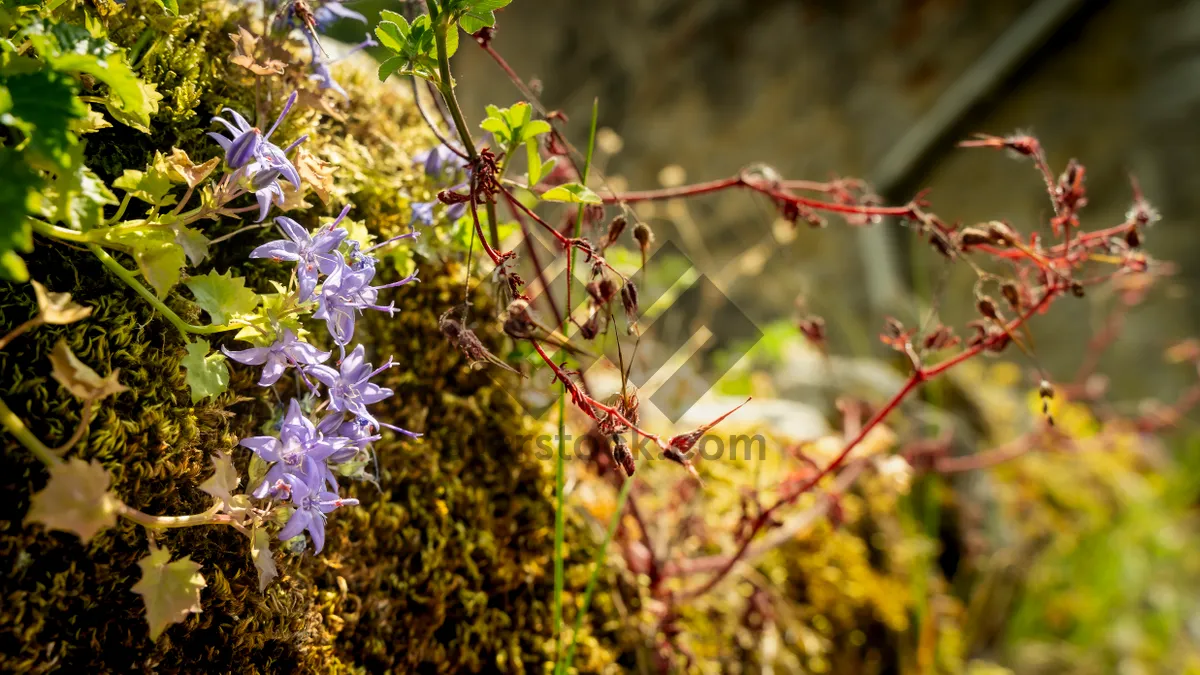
(150, 186)
(171, 590)
(223, 481)
(315, 173)
(181, 168)
(76, 499)
(572, 193)
(207, 374)
(264, 562)
(78, 378)
(57, 308)
(159, 256)
(222, 296)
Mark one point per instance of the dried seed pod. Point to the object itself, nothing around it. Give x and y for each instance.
(1045, 389)
(1133, 237)
(1077, 289)
(893, 328)
(629, 299)
(628, 404)
(643, 235)
(615, 227)
(601, 290)
(518, 323)
(591, 328)
(971, 236)
(942, 244)
(987, 307)
(1000, 233)
(1012, 295)
(623, 455)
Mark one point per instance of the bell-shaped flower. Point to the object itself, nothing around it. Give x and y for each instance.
(287, 350)
(312, 505)
(299, 452)
(349, 387)
(313, 252)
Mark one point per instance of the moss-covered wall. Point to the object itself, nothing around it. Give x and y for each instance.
(444, 566)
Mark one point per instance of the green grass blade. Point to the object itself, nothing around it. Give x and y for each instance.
(597, 564)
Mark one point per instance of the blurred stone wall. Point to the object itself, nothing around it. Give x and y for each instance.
(818, 88)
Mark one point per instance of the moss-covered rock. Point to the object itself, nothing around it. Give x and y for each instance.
(445, 565)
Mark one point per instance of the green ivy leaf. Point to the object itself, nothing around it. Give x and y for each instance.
(20, 181)
(65, 47)
(150, 186)
(77, 196)
(76, 499)
(208, 374)
(223, 481)
(153, 245)
(572, 193)
(43, 106)
(277, 308)
(171, 590)
(222, 296)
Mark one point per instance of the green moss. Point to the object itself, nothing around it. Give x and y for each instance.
(445, 565)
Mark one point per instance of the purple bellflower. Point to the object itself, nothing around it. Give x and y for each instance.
(286, 350)
(313, 253)
(312, 505)
(439, 160)
(298, 454)
(350, 388)
(254, 157)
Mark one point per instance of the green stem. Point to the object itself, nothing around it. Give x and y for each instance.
(209, 517)
(120, 209)
(55, 232)
(597, 564)
(559, 524)
(129, 278)
(446, 88)
(14, 426)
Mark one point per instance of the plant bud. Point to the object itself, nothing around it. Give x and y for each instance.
(1011, 294)
(643, 235)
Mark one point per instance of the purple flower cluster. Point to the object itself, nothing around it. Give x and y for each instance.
(256, 160)
(337, 273)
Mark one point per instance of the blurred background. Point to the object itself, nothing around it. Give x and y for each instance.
(883, 90)
(1073, 550)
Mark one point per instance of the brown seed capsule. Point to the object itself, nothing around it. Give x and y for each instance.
(1000, 233)
(893, 327)
(1011, 294)
(643, 235)
(591, 328)
(1133, 237)
(1077, 289)
(615, 228)
(623, 455)
(941, 244)
(970, 236)
(987, 307)
(629, 299)
(1045, 389)
(518, 324)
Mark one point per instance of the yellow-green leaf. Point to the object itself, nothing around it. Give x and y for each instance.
(76, 499)
(171, 590)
